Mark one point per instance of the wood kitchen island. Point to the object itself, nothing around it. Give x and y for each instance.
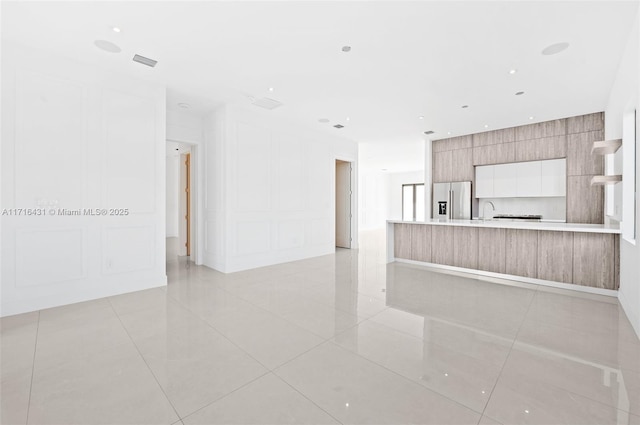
(567, 255)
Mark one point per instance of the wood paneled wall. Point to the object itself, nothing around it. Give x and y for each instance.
(454, 159)
(579, 258)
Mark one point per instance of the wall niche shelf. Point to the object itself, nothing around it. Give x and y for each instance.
(606, 147)
(602, 180)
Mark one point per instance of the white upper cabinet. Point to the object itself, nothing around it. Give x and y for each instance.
(522, 179)
(554, 177)
(504, 181)
(528, 179)
(484, 181)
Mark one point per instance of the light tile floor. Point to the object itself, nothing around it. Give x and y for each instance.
(341, 338)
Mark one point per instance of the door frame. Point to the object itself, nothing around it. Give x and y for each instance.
(354, 196)
(187, 189)
(196, 196)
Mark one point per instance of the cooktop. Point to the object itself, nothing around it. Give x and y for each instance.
(518, 217)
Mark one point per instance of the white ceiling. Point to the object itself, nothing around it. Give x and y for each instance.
(405, 156)
(408, 58)
(176, 148)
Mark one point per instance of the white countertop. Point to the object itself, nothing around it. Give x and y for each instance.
(528, 225)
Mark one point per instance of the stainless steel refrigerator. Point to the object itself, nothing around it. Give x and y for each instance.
(452, 201)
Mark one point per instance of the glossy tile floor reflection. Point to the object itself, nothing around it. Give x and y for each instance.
(342, 338)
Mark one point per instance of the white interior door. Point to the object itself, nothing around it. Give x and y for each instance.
(343, 204)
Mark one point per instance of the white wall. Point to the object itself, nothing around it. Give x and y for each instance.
(173, 181)
(270, 190)
(184, 126)
(396, 180)
(373, 204)
(76, 137)
(214, 200)
(381, 196)
(624, 98)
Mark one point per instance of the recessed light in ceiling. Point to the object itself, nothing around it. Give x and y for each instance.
(520, 93)
(421, 117)
(348, 119)
(464, 106)
(554, 49)
(184, 105)
(428, 132)
(384, 169)
(513, 71)
(115, 29)
(107, 46)
(448, 132)
(271, 89)
(177, 149)
(145, 61)
(486, 126)
(346, 49)
(531, 118)
(339, 126)
(323, 120)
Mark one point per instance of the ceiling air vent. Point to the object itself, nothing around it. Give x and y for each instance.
(429, 132)
(266, 103)
(338, 126)
(145, 61)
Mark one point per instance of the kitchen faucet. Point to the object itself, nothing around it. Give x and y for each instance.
(484, 209)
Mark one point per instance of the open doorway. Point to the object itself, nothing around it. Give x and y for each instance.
(343, 204)
(184, 213)
(179, 216)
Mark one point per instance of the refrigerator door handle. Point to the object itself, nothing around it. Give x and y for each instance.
(450, 205)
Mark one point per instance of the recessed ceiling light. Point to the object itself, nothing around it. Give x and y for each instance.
(428, 132)
(513, 71)
(486, 126)
(348, 119)
(520, 93)
(530, 118)
(421, 117)
(270, 88)
(177, 149)
(323, 120)
(346, 49)
(107, 46)
(184, 105)
(116, 29)
(465, 106)
(339, 126)
(384, 169)
(448, 132)
(554, 49)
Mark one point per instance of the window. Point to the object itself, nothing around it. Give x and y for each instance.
(413, 202)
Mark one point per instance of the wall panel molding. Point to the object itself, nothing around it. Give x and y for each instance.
(48, 255)
(58, 105)
(129, 171)
(127, 248)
